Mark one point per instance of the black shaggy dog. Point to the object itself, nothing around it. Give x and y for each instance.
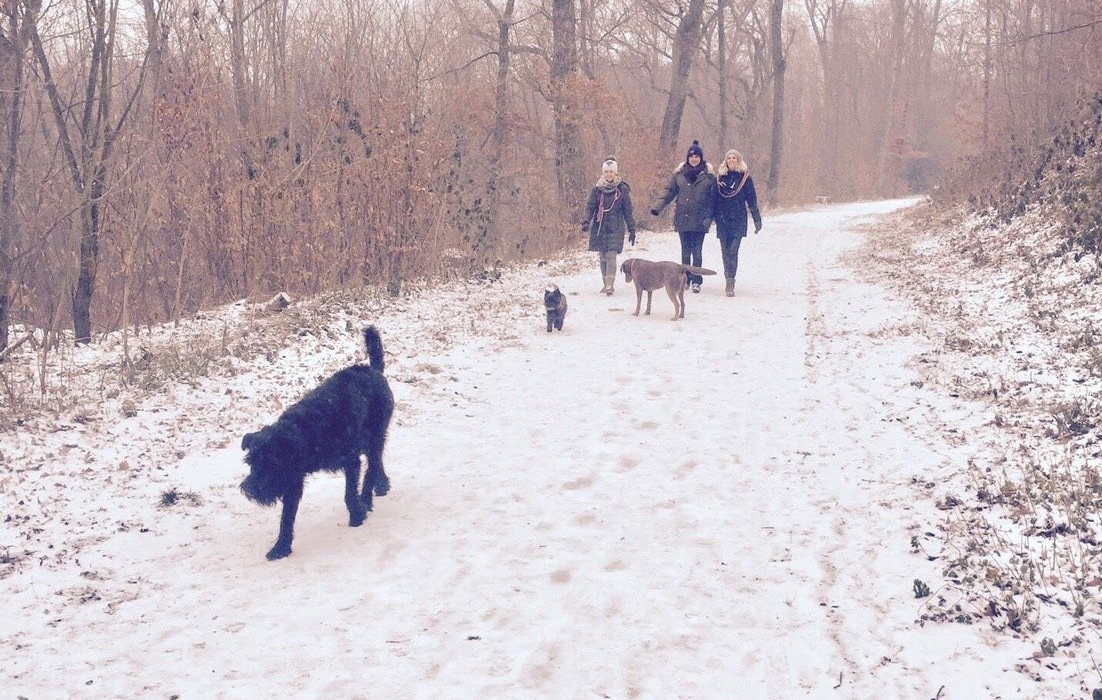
(327, 430)
(555, 303)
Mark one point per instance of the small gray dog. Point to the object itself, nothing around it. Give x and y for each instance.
(555, 303)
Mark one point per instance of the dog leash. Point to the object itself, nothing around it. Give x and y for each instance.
(599, 215)
(601, 211)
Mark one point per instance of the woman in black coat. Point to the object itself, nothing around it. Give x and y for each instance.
(735, 196)
(693, 187)
(608, 214)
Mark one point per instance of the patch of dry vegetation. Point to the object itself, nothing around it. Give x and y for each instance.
(1009, 288)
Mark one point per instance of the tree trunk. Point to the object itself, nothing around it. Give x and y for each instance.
(136, 234)
(89, 171)
(986, 73)
(825, 17)
(11, 107)
(239, 73)
(401, 242)
(488, 243)
(90, 227)
(686, 42)
(891, 112)
(95, 151)
(776, 42)
(569, 169)
(721, 60)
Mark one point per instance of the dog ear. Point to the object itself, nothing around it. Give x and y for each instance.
(249, 441)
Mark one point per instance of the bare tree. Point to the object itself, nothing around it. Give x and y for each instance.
(136, 233)
(686, 44)
(416, 39)
(986, 73)
(824, 17)
(776, 46)
(13, 40)
(89, 150)
(564, 79)
(242, 95)
(739, 70)
(490, 240)
(721, 60)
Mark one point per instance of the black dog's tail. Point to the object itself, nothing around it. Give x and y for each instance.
(374, 345)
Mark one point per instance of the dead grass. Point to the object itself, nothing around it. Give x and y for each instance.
(1013, 321)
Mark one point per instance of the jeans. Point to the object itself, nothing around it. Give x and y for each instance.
(692, 251)
(729, 247)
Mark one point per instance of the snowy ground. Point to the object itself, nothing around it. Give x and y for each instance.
(743, 503)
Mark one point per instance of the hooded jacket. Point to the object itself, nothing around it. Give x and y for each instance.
(693, 200)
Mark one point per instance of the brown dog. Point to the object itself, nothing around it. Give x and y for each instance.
(649, 276)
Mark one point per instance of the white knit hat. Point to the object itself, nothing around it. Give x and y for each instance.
(610, 164)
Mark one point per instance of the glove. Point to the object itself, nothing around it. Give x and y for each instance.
(654, 212)
(757, 227)
(631, 238)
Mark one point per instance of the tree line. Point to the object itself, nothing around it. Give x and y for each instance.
(160, 156)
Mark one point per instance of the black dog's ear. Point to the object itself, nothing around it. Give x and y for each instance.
(249, 441)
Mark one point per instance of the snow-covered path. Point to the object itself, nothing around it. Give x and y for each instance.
(719, 507)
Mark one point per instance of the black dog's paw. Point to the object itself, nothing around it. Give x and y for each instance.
(382, 487)
(279, 551)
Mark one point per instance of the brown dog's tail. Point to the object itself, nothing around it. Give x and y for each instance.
(373, 343)
(692, 269)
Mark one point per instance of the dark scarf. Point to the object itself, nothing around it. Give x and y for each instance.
(692, 173)
(731, 182)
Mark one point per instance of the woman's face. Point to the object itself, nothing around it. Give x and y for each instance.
(610, 175)
(732, 162)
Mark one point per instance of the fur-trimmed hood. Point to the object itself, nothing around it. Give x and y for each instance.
(723, 169)
(707, 168)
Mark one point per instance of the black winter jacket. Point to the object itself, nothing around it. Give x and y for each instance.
(608, 214)
(733, 199)
(694, 200)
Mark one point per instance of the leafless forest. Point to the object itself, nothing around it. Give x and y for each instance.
(159, 156)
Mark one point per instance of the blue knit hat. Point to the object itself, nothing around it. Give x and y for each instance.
(696, 150)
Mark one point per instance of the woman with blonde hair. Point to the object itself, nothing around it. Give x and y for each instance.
(735, 197)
